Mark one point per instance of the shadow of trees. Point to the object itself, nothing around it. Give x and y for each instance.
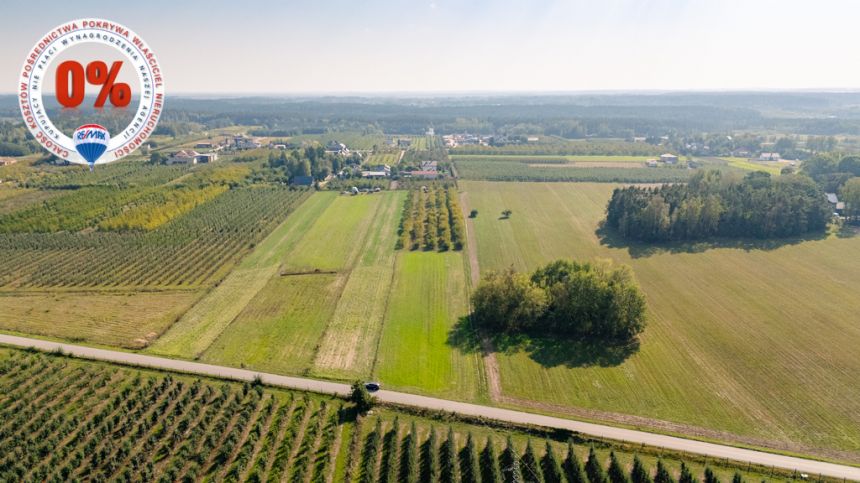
(610, 238)
(548, 350)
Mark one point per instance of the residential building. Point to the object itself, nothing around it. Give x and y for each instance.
(669, 158)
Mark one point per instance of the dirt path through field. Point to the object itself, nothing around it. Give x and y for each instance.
(491, 365)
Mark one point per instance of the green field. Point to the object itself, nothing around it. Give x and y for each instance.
(65, 419)
(536, 158)
(428, 297)
(751, 342)
(201, 325)
(389, 158)
(330, 287)
(298, 304)
(280, 327)
(348, 347)
(549, 168)
(353, 140)
(771, 167)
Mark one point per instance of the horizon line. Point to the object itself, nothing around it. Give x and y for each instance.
(511, 92)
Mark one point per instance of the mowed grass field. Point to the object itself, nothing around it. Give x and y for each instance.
(348, 347)
(317, 296)
(205, 321)
(429, 296)
(749, 343)
(129, 320)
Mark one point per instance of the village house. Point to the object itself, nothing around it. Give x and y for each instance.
(189, 156)
(377, 171)
(769, 157)
(7, 161)
(669, 158)
(244, 142)
(337, 148)
(837, 206)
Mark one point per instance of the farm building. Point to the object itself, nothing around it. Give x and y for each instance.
(244, 142)
(189, 156)
(204, 145)
(651, 163)
(669, 158)
(186, 156)
(425, 174)
(7, 161)
(375, 174)
(336, 147)
(207, 157)
(302, 181)
(837, 206)
(769, 157)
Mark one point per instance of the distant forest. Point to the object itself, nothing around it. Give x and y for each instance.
(568, 116)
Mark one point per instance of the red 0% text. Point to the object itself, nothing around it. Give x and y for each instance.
(71, 87)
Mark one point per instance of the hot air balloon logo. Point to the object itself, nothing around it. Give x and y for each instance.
(91, 141)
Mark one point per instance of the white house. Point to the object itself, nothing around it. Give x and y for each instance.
(186, 156)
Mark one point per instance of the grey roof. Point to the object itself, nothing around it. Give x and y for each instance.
(831, 197)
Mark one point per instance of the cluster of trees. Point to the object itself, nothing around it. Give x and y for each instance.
(832, 170)
(431, 220)
(15, 140)
(720, 204)
(850, 194)
(593, 300)
(310, 161)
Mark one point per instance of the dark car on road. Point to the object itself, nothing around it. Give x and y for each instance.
(372, 386)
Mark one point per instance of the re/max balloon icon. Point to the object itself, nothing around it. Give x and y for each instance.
(91, 141)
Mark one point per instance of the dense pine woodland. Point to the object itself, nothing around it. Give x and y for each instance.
(716, 204)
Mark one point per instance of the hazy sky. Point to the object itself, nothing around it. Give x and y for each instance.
(359, 46)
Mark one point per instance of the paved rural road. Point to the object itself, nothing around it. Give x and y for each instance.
(629, 435)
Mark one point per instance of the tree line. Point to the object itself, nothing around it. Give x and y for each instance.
(585, 299)
(392, 453)
(718, 204)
